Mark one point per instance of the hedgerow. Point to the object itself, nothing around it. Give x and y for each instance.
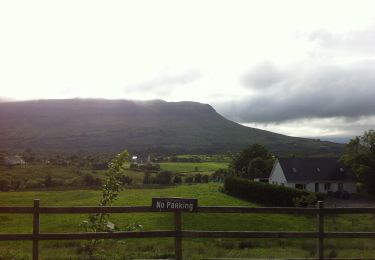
(264, 193)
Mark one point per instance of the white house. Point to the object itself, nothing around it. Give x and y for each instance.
(13, 160)
(312, 174)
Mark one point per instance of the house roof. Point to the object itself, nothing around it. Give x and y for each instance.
(314, 169)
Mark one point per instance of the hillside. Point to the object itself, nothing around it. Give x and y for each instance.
(140, 126)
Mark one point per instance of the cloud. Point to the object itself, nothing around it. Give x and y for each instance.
(346, 91)
(164, 84)
(264, 75)
(355, 41)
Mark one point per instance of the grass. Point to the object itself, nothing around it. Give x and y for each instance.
(208, 195)
(192, 167)
(33, 176)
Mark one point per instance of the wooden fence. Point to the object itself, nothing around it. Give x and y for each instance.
(178, 234)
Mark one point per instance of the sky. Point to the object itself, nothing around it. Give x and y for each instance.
(301, 68)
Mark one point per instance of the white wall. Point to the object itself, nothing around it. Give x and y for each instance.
(277, 176)
(348, 186)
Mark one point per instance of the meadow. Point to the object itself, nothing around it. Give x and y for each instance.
(193, 167)
(36, 176)
(207, 195)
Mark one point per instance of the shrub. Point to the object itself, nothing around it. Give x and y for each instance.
(164, 177)
(189, 179)
(263, 193)
(198, 178)
(4, 184)
(177, 179)
(205, 178)
(147, 179)
(308, 200)
(126, 180)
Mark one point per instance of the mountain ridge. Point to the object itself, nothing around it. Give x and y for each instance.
(101, 125)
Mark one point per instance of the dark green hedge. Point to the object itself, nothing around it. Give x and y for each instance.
(263, 193)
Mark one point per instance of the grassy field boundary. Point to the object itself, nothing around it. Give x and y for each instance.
(178, 233)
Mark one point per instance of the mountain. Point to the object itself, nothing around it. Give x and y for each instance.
(103, 126)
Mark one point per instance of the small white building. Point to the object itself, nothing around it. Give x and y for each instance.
(13, 160)
(312, 174)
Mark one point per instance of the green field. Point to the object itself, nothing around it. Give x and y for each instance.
(193, 167)
(207, 194)
(33, 176)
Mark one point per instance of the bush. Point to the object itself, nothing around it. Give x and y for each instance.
(205, 178)
(198, 178)
(126, 180)
(177, 179)
(148, 179)
(32, 184)
(164, 177)
(90, 180)
(263, 193)
(306, 200)
(4, 184)
(189, 179)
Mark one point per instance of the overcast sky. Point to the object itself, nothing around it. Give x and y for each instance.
(302, 68)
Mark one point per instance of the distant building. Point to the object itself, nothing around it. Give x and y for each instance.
(13, 160)
(312, 174)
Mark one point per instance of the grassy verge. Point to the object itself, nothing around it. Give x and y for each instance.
(208, 195)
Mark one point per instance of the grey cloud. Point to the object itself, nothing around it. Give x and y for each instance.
(262, 76)
(323, 92)
(354, 41)
(164, 84)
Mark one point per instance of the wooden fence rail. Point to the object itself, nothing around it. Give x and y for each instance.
(178, 233)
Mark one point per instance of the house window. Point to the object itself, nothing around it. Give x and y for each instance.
(294, 169)
(300, 186)
(327, 186)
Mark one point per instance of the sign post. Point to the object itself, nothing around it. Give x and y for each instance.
(176, 205)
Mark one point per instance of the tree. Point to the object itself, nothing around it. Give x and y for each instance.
(99, 222)
(252, 162)
(359, 156)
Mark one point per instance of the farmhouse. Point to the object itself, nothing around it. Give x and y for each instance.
(13, 160)
(312, 174)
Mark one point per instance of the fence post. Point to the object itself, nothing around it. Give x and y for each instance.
(36, 230)
(320, 227)
(178, 238)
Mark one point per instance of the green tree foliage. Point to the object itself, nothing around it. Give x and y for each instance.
(111, 189)
(359, 156)
(253, 162)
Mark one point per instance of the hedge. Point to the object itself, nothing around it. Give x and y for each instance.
(263, 193)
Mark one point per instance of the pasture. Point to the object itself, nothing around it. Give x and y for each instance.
(208, 195)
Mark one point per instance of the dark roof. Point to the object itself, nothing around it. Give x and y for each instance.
(314, 169)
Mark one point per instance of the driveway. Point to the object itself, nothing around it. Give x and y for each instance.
(355, 201)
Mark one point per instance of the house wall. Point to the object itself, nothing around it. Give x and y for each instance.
(277, 175)
(350, 187)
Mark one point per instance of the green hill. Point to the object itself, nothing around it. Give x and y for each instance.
(141, 126)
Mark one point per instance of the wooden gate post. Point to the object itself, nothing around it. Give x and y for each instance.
(320, 227)
(36, 230)
(178, 238)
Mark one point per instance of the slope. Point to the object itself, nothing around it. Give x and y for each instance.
(111, 125)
